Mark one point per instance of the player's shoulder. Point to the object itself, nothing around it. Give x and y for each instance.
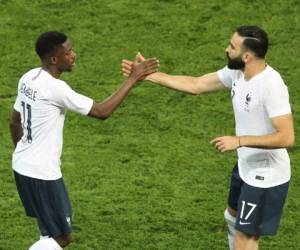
(55, 86)
(233, 73)
(58, 84)
(273, 75)
(46, 80)
(274, 81)
(30, 74)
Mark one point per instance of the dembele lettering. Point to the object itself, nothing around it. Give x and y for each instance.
(28, 92)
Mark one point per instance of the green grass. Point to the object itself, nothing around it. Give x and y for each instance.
(146, 178)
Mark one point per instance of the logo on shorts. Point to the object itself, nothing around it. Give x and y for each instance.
(69, 220)
(244, 223)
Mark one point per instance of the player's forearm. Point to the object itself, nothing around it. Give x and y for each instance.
(181, 83)
(274, 140)
(16, 132)
(104, 109)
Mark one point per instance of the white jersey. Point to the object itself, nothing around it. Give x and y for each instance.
(41, 101)
(255, 102)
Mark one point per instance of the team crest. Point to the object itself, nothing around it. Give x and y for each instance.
(247, 102)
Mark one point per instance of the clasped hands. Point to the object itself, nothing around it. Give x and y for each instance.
(222, 144)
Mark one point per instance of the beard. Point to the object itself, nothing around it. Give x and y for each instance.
(65, 68)
(235, 63)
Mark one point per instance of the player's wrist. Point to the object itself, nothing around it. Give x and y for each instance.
(151, 77)
(131, 80)
(239, 141)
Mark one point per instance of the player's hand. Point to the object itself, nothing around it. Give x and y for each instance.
(226, 143)
(140, 70)
(128, 66)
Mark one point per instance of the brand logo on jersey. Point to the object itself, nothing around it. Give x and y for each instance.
(244, 223)
(260, 178)
(247, 102)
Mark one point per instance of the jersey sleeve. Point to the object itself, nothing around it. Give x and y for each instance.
(277, 99)
(226, 76)
(64, 96)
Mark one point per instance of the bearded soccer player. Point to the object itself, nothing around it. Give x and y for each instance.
(264, 129)
(37, 132)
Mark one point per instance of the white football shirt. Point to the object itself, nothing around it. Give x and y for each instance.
(42, 101)
(255, 102)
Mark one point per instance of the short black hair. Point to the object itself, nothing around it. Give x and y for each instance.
(256, 39)
(48, 42)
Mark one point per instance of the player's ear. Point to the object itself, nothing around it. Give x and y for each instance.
(53, 59)
(247, 57)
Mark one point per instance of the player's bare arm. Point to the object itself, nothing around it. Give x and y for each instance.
(283, 137)
(104, 109)
(16, 127)
(189, 84)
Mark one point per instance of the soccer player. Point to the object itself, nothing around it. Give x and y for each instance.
(264, 129)
(37, 132)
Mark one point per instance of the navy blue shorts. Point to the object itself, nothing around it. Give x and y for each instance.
(258, 209)
(47, 201)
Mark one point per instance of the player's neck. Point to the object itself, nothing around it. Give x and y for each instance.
(52, 70)
(254, 68)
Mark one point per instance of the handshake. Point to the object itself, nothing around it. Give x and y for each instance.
(140, 68)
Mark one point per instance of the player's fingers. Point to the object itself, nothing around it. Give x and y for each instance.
(150, 66)
(141, 56)
(126, 71)
(125, 61)
(214, 140)
(219, 146)
(152, 63)
(148, 63)
(153, 66)
(224, 149)
(127, 66)
(153, 59)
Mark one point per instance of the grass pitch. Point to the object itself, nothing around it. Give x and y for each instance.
(146, 178)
